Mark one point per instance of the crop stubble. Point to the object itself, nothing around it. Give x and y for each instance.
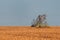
(29, 33)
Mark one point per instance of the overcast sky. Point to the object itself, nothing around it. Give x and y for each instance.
(22, 12)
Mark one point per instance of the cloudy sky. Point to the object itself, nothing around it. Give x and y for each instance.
(22, 12)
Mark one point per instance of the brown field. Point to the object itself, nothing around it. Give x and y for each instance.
(29, 33)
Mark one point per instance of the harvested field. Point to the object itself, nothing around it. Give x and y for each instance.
(29, 33)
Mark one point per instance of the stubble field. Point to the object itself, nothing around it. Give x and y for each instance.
(29, 33)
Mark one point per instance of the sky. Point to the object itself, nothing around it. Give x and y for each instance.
(22, 12)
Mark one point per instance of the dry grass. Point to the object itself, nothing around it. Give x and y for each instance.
(29, 33)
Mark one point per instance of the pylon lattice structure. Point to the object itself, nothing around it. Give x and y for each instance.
(40, 21)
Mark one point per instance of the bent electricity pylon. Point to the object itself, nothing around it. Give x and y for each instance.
(40, 21)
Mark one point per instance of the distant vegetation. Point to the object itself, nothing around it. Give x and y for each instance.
(40, 21)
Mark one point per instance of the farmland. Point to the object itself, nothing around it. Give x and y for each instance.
(29, 33)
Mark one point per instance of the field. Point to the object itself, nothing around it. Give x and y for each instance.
(29, 33)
